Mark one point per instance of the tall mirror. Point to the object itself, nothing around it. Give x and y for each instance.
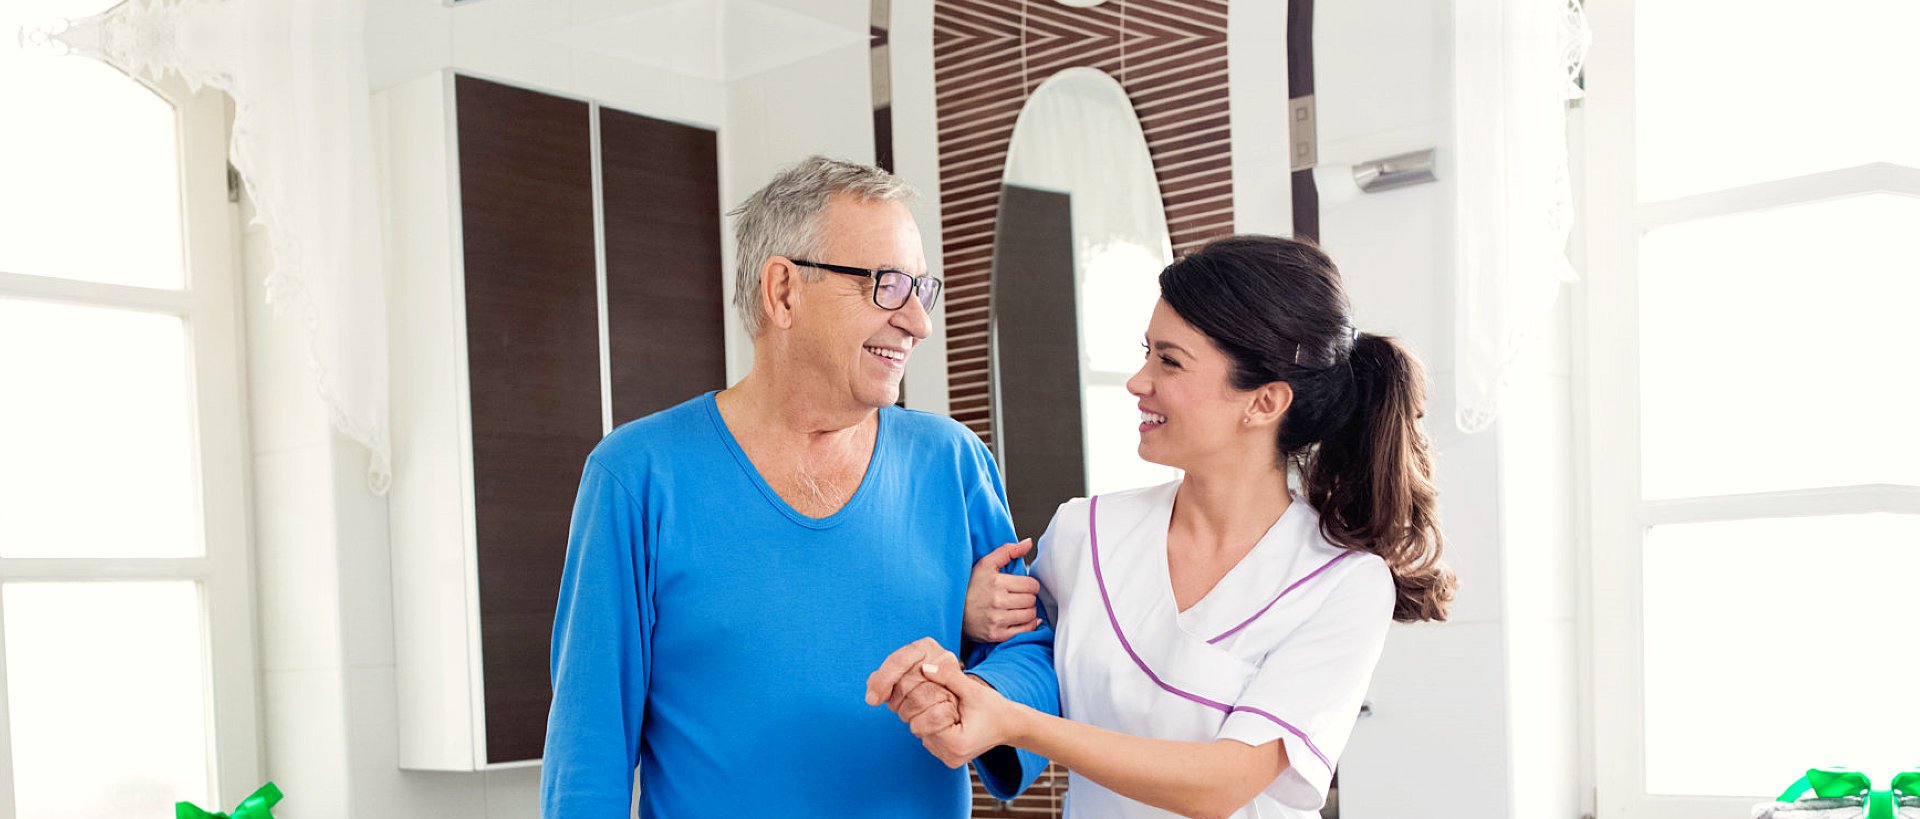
(1080, 240)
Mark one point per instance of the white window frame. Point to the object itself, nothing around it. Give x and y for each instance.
(1618, 515)
(210, 304)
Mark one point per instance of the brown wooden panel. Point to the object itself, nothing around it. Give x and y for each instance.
(1306, 195)
(1036, 357)
(526, 203)
(660, 189)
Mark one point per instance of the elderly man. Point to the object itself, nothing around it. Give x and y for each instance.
(740, 563)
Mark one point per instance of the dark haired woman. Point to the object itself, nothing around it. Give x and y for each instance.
(1214, 636)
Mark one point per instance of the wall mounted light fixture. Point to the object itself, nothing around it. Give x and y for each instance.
(1394, 172)
(1338, 183)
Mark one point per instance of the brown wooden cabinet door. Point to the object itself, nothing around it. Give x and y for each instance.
(532, 295)
(533, 363)
(660, 189)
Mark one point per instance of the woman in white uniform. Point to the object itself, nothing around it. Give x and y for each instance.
(1214, 636)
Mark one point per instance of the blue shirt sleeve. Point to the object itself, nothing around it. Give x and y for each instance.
(601, 656)
(1021, 668)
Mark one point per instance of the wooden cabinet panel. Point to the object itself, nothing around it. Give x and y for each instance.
(660, 184)
(532, 310)
(1037, 432)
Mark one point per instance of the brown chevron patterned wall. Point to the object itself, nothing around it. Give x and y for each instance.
(989, 55)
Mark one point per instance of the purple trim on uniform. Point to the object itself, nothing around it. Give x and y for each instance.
(1283, 593)
(1099, 578)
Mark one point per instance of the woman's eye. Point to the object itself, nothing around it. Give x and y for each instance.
(1169, 362)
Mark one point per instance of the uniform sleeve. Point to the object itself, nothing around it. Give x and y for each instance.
(601, 656)
(1050, 564)
(1021, 668)
(1309, 688)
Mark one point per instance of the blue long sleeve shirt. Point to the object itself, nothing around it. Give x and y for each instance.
(721, 641)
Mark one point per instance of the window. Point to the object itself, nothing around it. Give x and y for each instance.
(1120, 285)
(125, 612)
(1755, 496)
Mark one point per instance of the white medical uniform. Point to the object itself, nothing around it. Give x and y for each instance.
(1282, 648)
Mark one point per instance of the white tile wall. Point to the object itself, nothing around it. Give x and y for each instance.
(916, 158)
(1469, 479)
(407, 38)
(507, 39)
(1397, 52)
(1393, 252)
(305, 727)
(364, 564)
(1257, 78)
(513, 792)
(380, 787)
(1434, 746)
(296, 561)
(647, 90)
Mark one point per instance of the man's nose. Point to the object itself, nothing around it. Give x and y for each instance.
(912, 318)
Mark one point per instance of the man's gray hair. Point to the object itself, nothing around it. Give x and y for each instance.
(783, 219)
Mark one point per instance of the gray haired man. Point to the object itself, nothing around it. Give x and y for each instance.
(738, 564)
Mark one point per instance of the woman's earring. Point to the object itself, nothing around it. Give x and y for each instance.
(1244, 419)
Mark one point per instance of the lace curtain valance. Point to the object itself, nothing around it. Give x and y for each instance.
(1516, 66)
(303, 144)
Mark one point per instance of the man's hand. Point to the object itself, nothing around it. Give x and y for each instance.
(901, 683)
(986, 719)
(1000, 605)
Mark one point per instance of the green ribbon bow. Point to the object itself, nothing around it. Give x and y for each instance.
(1828, 783)
(257, 806)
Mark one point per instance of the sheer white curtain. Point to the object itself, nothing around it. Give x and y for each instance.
(1515, 64)
(303, 143)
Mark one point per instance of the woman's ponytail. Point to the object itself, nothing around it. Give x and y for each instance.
(1371, 478)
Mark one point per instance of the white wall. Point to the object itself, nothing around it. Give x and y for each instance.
(1474, 717)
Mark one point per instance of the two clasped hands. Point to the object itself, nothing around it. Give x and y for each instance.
(955, 715)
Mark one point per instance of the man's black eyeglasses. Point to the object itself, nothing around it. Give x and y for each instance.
(891, 288)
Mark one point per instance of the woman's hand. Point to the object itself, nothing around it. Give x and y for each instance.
(986, 719)
(1000, 605)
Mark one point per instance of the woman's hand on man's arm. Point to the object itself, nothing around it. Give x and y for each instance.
(1000, 605)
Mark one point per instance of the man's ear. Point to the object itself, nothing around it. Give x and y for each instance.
(778, 291)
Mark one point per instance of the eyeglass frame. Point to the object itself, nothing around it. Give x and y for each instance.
(875, 274)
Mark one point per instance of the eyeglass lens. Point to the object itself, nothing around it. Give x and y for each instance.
(893, 287)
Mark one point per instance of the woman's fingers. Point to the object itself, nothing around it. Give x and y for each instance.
(1013, 617)
(998, 559)
(1013, 600)
(1007, 623)
(1002, 634)
(1016, 584)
